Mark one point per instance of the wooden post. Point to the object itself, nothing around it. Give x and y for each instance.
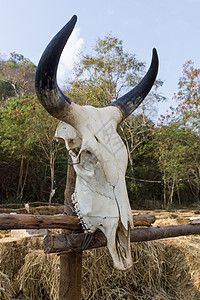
(70, 263)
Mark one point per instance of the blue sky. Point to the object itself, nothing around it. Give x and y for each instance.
(172, 26)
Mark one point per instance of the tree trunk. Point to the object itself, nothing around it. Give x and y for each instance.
(165, 193)
(22, 182)
(20, 177)
(172, 191)
(178, 193)
(52, 161)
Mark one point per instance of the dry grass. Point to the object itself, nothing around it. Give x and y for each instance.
(160, 271)
(38, 278)
(142, 281)
(167, 269)
(6, 289)
(12, 254)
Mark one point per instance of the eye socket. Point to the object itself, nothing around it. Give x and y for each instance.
(88, 152)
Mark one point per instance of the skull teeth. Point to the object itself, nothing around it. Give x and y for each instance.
(73, 199)
(83, 222)
(76, 206)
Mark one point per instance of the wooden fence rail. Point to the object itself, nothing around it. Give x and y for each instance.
(25, 221)
(60, 243)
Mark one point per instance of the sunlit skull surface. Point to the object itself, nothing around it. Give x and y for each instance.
(98, 153)
(100, 161)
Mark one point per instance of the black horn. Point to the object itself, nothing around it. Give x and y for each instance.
(130, 101)
(48, 92)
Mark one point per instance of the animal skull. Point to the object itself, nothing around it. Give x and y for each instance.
(98, 153)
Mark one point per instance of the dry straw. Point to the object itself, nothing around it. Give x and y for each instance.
(39, 276)
(6, 289)
(168, 269)
(162, 270)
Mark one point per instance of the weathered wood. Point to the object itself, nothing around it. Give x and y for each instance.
(69, 189)
(70, 263)
(144, 220)
(25, 221)
(74, 242)
(70, 276)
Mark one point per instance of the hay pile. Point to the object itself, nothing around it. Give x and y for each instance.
(38, 278)
(162, 270)
(12, 254)
(6, 289)
(12, 258)
(167, 269)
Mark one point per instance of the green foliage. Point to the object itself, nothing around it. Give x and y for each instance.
(179, 136)
(145, 184)
(23, 121)
(164, 161)
(27, 132)
(178, 155)
(6, 89)
(17, 76)
(188, 97)
(107, 74)
(103, 77)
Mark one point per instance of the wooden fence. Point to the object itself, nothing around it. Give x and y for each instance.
(72, 241)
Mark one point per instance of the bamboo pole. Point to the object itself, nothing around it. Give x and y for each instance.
(65, 221)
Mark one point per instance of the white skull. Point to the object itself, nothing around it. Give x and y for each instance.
(100, 161)
(98, 153)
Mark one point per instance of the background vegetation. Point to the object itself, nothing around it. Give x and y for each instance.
(164, 158)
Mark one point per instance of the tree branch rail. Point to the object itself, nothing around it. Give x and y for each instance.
(62, 243)
(25, 221)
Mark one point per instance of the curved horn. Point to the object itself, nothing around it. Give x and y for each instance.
(130, 101)
(48, 92)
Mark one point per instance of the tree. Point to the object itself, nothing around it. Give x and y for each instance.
(105, 76)
(180, 133)
(16, 76)
(135, 131)
(6, 89)
(27, 133)
(145, 187)
(178, 156)
(188, 97)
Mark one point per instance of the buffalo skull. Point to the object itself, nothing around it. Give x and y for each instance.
(98, 153)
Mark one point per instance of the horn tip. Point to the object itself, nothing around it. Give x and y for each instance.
(74, 18)
(155, 59)
(155, 52)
